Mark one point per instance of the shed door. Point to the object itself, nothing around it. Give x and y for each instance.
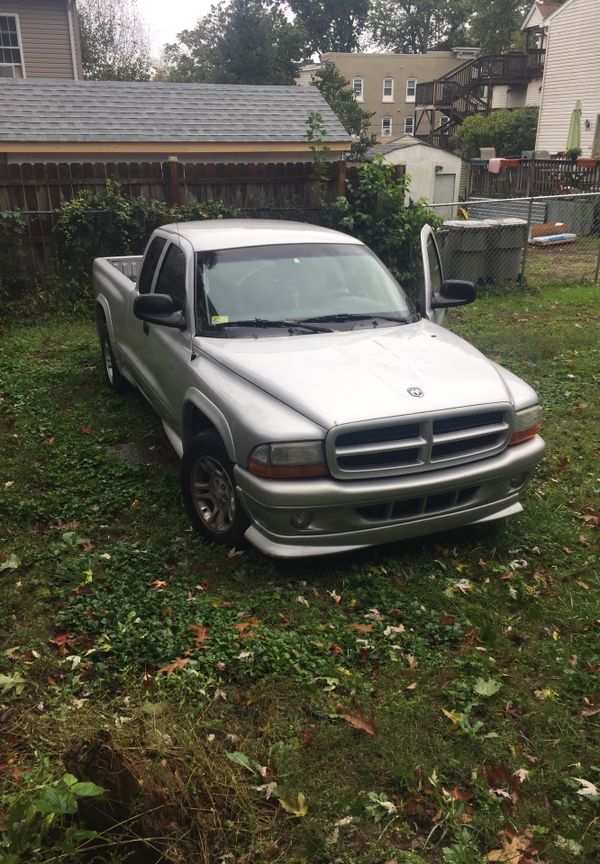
(443, 193)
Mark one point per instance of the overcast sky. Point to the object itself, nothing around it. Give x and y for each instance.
(166, 18)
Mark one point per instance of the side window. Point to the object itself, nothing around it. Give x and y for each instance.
(171, 279)
(435, 266)
(149, 266)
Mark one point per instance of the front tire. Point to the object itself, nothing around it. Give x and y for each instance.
(209, 494)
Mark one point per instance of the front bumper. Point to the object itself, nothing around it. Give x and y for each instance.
(345, 515)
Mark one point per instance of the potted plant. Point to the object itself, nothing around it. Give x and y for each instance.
(586, 162)
(573, 153)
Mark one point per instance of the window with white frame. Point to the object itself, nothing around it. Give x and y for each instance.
(409, 125)
(411, 89)
(10, 44)
(386, 126)
(359, 89)
(388, 89)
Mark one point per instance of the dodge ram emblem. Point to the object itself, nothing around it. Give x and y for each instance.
(416, 392)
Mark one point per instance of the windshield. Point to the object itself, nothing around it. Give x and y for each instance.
(294, 283)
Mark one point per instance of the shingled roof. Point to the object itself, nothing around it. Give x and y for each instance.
(143, 112)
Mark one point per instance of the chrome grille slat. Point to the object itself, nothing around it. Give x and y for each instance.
(380, 447)
(424, 442)
(466, 434)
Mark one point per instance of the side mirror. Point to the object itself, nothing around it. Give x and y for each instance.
(158, 309)
(454, 292)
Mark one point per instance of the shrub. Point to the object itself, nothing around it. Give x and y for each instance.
(374, 210)
(12, 232)
(93, 225)
(509, 132)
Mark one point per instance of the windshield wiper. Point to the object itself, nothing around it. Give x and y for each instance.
(357, 316)
(268, 322)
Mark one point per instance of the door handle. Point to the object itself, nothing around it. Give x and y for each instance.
(146, 328)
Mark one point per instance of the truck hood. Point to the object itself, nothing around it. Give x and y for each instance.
(348, 376)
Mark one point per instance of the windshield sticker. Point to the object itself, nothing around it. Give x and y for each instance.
(219, 319)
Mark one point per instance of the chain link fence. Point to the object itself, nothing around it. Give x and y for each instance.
(535, 241)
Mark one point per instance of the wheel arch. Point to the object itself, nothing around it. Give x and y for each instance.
(199, 415)
(102, 315)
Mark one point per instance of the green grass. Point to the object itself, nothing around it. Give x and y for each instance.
(466, 657)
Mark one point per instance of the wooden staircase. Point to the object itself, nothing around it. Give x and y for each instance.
(467, 90)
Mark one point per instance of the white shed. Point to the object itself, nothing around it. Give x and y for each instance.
(435, 174)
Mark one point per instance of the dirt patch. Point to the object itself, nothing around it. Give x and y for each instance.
(168, 804)
(139, 453)
(573, 262)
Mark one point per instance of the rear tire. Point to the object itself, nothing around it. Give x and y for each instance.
(115, 380)
(209, 494)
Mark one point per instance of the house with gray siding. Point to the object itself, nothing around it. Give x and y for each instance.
(39, 39)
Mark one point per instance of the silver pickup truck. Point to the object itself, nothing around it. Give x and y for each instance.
(314, 409)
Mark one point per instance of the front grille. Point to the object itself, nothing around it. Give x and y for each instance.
(427, 505)
(392, 447)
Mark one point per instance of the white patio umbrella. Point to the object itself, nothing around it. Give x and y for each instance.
(574, 136)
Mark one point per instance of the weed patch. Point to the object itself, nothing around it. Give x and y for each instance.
(433, 701)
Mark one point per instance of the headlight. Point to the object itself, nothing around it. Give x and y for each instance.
(289, 459)
(527, 424)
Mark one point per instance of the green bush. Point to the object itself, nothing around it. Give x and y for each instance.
(12, 233)
(374, 210)
(94, 225)
(510, 132)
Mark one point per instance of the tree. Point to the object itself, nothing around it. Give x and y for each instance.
(331, 25)
(509, 132)
(340, 98)
(114, 43)
(495, 27)
(409, 27)
(237, 42)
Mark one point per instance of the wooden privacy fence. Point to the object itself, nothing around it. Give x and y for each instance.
(534, 177)
(259, 190)
(43, 186)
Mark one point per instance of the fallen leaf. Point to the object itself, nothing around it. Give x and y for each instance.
(374, 615)
(522, 774)
(361, 628)
(513, 847)
(268, 789)
(85, 430)
(12, 682)
(335, 597)
(61, 641)
(453, 716)
(360, 723)
(588, 789)
(297, 808)
(200, 634)
(486, 687)
(159, 584)
(180, 663)
(13, 562)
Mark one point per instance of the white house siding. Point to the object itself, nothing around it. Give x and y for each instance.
(572, 72)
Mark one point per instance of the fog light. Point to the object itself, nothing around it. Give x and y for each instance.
(301, 520)
(519, 481)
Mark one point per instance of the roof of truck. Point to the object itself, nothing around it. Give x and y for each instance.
(213, 234)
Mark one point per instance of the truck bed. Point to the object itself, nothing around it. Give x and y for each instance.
(128, 265)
